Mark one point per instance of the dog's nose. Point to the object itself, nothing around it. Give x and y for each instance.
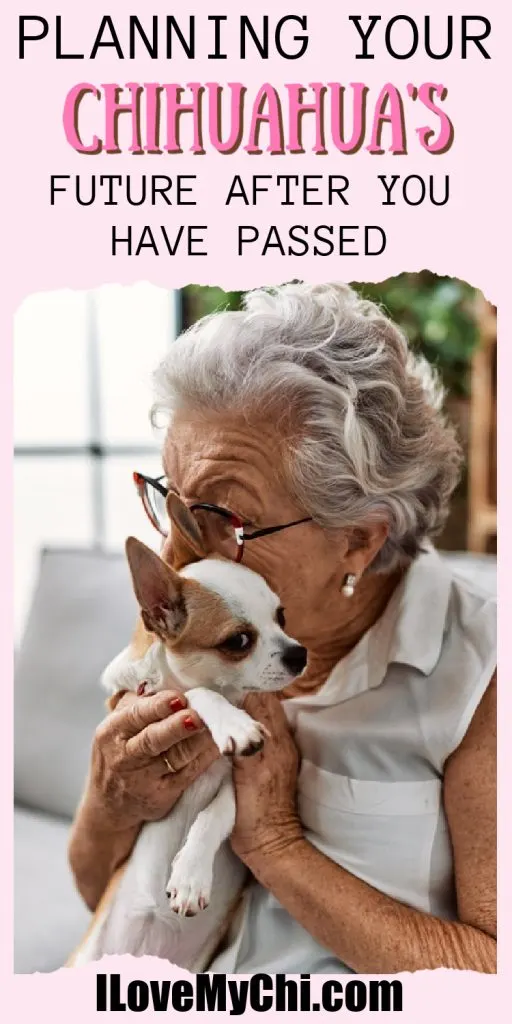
(294, 658)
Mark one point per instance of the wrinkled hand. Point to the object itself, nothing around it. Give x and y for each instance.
(129, 781)
(266, 813)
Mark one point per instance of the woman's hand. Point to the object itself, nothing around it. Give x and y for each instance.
(369, 931)
(267, 821)
(129, 781)
(129, 778)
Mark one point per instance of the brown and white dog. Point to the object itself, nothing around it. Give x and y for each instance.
(213, 630)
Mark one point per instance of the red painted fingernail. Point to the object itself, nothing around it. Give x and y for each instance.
(141, 689)
(177, 704)
(189, 723)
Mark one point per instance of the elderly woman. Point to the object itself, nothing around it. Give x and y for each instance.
(368, 819)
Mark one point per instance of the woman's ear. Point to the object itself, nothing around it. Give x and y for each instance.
(186, 538)
(363, 546)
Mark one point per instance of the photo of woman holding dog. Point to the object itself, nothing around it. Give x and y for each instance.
(367, 819)
(307, 707)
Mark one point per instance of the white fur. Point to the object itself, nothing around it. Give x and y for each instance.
(123, 673)
(183, 865)
(249, 598)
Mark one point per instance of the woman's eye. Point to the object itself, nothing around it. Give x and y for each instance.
(238, 643)
(280, 618)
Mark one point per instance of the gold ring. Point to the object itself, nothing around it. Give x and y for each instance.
(169, 767)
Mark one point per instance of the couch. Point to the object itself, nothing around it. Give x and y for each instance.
(82, 614)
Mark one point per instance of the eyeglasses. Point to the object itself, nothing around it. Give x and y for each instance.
(223, 531)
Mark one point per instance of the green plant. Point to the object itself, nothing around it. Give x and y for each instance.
(200, 300)
(437, 314)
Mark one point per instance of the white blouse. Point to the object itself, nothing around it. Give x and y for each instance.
(374, 741)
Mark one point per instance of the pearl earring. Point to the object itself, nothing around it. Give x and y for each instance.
(349, 584)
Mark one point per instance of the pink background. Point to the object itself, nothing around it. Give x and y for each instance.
(46, 248)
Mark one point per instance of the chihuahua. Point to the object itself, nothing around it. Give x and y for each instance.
(215, 631)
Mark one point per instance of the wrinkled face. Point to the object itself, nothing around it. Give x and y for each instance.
(234, 638)
(235, 465)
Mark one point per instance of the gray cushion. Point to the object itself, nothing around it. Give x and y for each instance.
(82, 614)
(50, 917)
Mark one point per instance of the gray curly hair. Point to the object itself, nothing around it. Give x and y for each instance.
(362, 432)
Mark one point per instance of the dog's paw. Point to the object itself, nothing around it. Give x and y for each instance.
(189, 887)
(239, 734)
(188, 900)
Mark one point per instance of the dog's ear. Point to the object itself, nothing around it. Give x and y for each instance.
(158, 589)
(187, 541)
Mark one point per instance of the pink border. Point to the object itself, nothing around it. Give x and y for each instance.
(43, 251)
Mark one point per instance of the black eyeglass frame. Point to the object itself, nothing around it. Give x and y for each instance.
(142, 481)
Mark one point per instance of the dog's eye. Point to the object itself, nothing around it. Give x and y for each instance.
(238, 643)
(280, 618)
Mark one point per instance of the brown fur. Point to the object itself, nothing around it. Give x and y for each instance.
(209, 621)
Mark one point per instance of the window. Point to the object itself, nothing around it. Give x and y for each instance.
(82, 393)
